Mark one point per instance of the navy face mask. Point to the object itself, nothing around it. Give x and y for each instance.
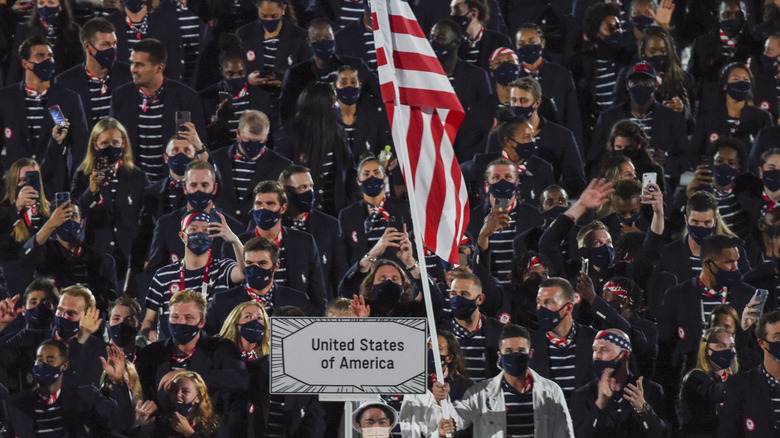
(348, 95)
(727, 279)
(199, 200)
(502, 189)
(724, 174)
(44, 70)
(39, 317)
(122, 334)
(462, 308)
(463, 21)
(553, 213)
(234, 85)
(45, 374)
(252, 148)
(372, 186)
(731, 27)
(183, 333)
(106, 57)
(699, 233)
(628, 221)
(658, 62)
(302, 202)
(523, 111)
(252, 331)
(599, 366)
(256, 277)
(641, 22)
(65, 328)
(48, 13)
(722, 358)
(111, 154)
(769, 63)
(134, 6)
(771, 179)
(323, 49)
(69, 231)
(515, 364)
(198, 243)
(602, 256)
(178, 163)
(739, 91)
(505, 73)
(641, 94)
(774, 349)
(529, 53)
(387, 294)
(271, 25)
(184, 409)
(442, 51)
(614, 40)
(525, 150)
(548, 319)
(266, 219)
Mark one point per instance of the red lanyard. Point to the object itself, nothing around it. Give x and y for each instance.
(205, 286)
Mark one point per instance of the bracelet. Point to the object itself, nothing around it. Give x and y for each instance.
(370, 260)
(415, 265)
(200, 151)
(643, 410)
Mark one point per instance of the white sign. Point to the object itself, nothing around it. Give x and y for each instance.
(348, 355)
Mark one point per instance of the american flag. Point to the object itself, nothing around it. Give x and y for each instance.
(424, 115)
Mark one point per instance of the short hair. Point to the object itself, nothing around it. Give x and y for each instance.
(566, 289)
(595, 15)
(200, 165)
(319, 22)
(95, 26)
(582, 236)
(531, 26)
(254, 122)
(766, 319)
(514, 331)
(127, 302)
(482, 9)
(284, 177)
(468, 276)
(44, 285)
(701, 202)
(25, 49)
(766, 154)
(713, 245)
(499, 162)
(724, 309)
(154, 48)
(452, 26)
(263, 244)
(269, 186)
(61, 347)
(230, 49)
(627, 189)
(370, 159)
(731, 143)
(339, 306)
(528, 84)
(78, 290)
(189, 296)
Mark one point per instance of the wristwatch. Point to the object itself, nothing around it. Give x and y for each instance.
(643, 410)
(201, 150)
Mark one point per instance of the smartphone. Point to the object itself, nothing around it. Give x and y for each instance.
(501, 203)
(708, 161)
(182, 117)
(56, 114)
(224, 95)
(61, 198)
(33, 180)
(760, 296)
(647, 179)
(397, 222)
(214, 218)
(585, 265)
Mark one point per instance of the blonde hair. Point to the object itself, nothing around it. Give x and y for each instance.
(133, 381)
(103, 125)
(20, 233)
(189, 296)
(202, 414)
(230, 328)
(80, 291)
(582, 236)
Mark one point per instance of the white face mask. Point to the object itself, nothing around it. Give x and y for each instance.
(376, 432)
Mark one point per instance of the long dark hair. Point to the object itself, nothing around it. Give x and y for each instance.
(64, 19)
(629, 129)
(289, 13)
(317, 126)
(673, 84)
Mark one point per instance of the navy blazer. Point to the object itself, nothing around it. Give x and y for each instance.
(76, 80)
(470, 83)
(268, 167)
(167, 247)
(532, 184)
(491, 40)
(583, 358)
(303, 264)
(162, 26)
(765, 139)
(747, 410)
(350, 42)
(66, 53)
(558, 85)
(527, 217)
(125, 107)
(292, 48)
(675, 259)
(353, 231)
(372, 131)
(304, 73)
(154, 204)
(107, 218)
(714, 124)
(224, 302)
(491, 330)
(15, 141)
(326, 231)
(219, 134)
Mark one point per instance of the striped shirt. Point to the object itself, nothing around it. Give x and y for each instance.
(732, 213)
(774, 391)
(349, 133)
(48, 417)
(166, 282)
(375, 225)
(645, 123)
(276, 420)
(270, 47)
(243, 168)
(604, 82)
(136, 31)
(368, 40)
(35, 111)
(519, 411)
(710, 299)
(472, 48)
(562, 363)
(351, 10)
(501, 248)
(189, 25)
(240, 105)
(99, 97)
(473, 346)
(328, 182)
(150, 141)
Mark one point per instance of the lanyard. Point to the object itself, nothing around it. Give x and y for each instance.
(204, 289)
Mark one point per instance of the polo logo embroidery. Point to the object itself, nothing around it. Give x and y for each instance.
(749, 425)
(681, 332)
(8, 133)
(250, 55)
(714, 136)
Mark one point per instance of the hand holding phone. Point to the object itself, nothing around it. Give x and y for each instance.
(56, 114)
(760, 296)
(182, 117)
(648, 179)
(501, 203)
